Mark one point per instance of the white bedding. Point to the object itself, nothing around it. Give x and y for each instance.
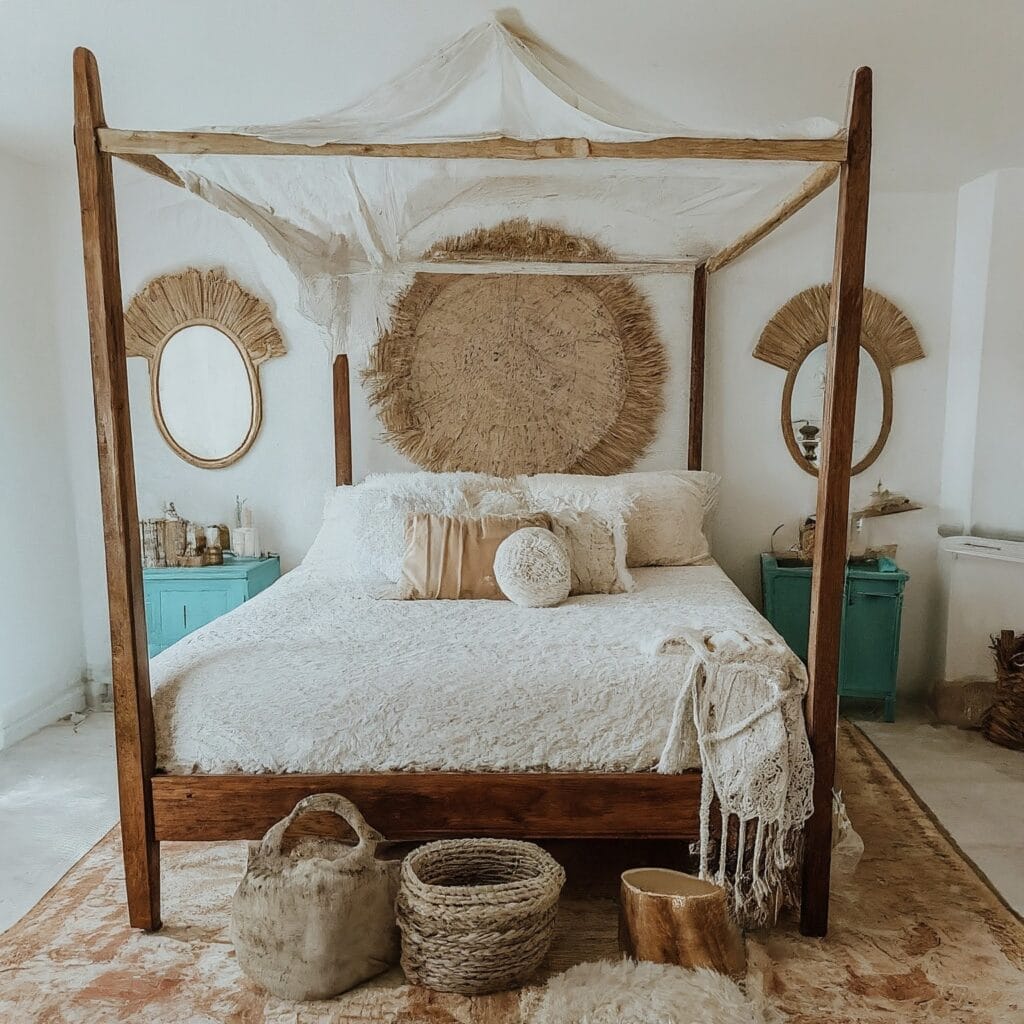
(312, 677)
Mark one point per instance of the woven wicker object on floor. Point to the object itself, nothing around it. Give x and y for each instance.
(520, 373)
(1004, 721)
(477, 915)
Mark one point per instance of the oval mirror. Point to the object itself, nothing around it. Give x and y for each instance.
(205, 395)
(803, 401)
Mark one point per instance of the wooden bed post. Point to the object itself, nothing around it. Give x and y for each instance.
(342, 423)
(829, 575)
(133, 709)
(698, 320)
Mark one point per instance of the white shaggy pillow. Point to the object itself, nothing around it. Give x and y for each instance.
(668, 509)
(531, 567)
(363, 532)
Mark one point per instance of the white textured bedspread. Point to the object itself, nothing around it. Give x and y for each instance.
(309, 677)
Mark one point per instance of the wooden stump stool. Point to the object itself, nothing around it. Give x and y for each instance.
(672, 918)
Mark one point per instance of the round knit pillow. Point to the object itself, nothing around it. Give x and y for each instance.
(532, 568)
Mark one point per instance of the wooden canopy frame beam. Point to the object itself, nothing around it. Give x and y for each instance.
(118, 142)
(157, 807)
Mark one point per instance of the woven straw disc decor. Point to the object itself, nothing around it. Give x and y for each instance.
(520, 373)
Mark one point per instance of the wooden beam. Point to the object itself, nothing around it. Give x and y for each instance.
(829, 573)
(431, 805)
(342, 423)
(695, 436)
(813, 186)
(133, 710)
(119, 141)
(558, 268)
(153, 165)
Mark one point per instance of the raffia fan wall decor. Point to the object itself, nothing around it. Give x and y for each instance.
(800, 328)
(218, 313)
(520, 373)
(802, 325)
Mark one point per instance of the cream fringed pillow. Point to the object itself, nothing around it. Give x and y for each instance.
(451, 558)
(593, 529)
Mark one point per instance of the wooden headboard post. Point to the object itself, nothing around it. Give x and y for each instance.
(342, 423)
(695, 453)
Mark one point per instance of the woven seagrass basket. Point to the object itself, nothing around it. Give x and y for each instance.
(1004, 721)
(477, 915)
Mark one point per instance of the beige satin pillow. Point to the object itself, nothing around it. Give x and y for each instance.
(449, 558)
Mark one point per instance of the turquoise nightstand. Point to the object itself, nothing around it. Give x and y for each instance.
(872, 611)
(179, 601)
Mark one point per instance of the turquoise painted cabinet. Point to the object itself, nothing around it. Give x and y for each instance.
(872, 614)
(179, 601)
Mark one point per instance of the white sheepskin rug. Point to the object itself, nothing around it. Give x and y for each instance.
(642, 993)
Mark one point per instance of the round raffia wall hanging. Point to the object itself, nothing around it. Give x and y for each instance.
(520, 373)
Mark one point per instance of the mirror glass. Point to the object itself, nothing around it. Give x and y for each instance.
(808, 400)
(203, 391)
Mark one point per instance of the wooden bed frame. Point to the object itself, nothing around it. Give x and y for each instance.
(156, 807)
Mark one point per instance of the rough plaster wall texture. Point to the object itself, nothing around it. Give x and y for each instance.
(997, 505)
(291, 464)
(43, 660)
(975, 210)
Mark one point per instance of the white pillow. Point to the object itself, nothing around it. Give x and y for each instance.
(362, 536)
(668, 509)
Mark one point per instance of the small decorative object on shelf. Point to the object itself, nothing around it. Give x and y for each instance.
(174, 542)
(245, 539)
(316, 917)
(672, 918)
(1003, 723)
(214, 553)
(477, 915)
(882, 502)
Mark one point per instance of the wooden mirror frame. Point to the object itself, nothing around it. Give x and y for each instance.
(198, 298)
(255, 398)
(801, 326)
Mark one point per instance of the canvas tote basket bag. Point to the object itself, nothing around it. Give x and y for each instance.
(316, 920)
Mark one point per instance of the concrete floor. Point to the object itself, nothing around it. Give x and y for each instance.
(58, 795)
(974, 788)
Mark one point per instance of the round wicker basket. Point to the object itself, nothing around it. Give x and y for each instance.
(477, 915)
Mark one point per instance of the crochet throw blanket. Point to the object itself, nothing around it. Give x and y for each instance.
(744, 695)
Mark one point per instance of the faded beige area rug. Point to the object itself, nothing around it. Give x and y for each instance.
(916, 936)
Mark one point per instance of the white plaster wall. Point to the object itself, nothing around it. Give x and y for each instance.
(997, 506)
(975, 210)
(983, 457)
(42, 658)
(291, 465)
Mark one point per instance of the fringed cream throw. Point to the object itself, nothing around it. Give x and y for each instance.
(744, 695)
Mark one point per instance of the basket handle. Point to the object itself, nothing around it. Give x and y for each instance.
(364, 850)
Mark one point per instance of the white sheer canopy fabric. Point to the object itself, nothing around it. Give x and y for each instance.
(349, 227)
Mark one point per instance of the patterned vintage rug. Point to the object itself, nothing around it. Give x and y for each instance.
(915, 937)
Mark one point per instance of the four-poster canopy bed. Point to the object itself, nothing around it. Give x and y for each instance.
(157, 806)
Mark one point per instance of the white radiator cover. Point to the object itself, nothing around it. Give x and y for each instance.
(985, 587)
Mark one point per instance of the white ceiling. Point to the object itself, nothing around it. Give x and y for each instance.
(949, 77)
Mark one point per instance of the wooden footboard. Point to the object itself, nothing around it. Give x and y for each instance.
(432, 805)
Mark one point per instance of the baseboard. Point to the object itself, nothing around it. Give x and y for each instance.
(21, 718)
